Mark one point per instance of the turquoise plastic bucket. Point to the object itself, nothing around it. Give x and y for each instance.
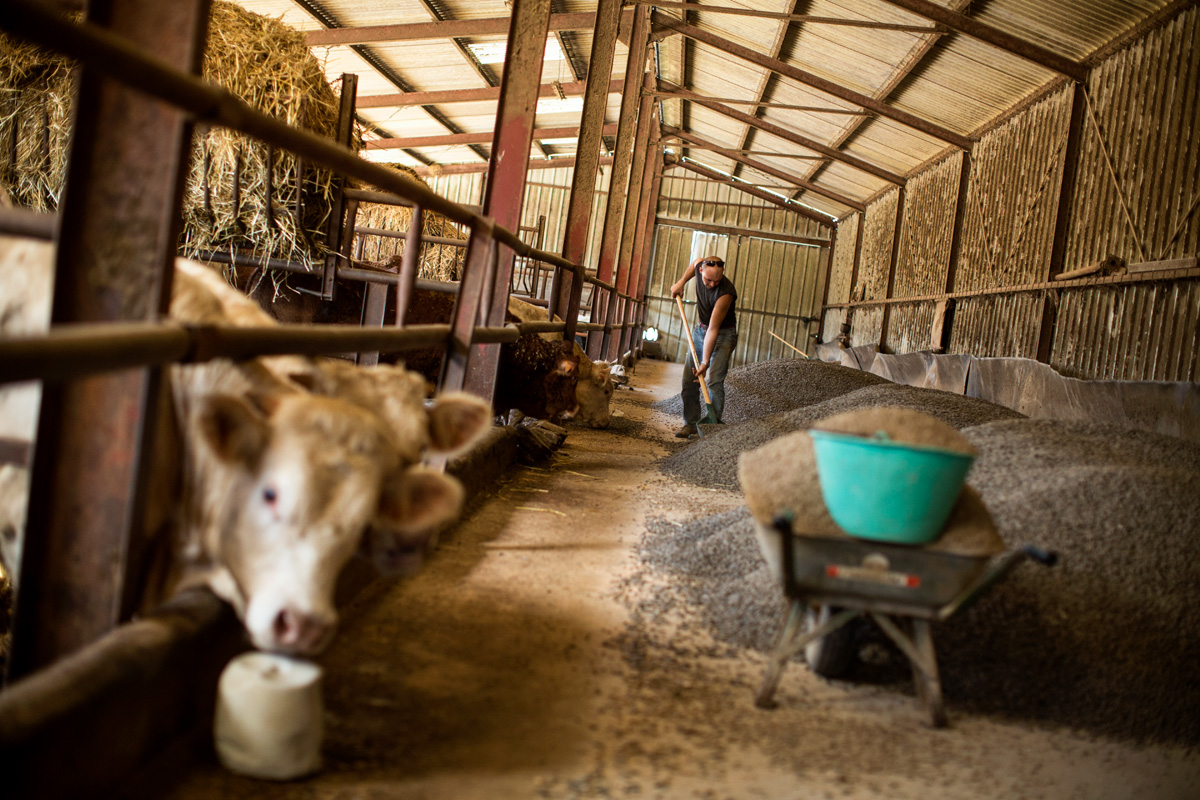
(878, 489)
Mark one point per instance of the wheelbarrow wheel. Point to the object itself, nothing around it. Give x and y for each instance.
(831, 655)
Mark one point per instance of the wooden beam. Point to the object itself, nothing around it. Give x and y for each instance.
(471, 138)
(768, 169)
(784, 133)
(995, 37)
(480, 95)
(782, 202)
(447, 29)
(806, 18)
(815, 81)
(729, 230)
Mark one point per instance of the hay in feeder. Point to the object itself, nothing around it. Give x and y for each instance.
(241, 194)
(35, 115)
(225, 207)
(439, 262)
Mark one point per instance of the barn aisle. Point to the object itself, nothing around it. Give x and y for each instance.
(536, 656)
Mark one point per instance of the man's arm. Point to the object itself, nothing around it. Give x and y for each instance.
(720, 309)
(688, 274)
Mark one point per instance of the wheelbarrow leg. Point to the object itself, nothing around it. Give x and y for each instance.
(766, 692)
(921, 656)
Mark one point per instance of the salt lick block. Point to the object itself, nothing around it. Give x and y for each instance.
(268, 720)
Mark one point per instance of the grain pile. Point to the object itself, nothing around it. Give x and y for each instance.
(1105, 642)
(768, 387)
(712, 460)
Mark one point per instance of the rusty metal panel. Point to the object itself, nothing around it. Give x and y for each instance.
(1016, 175)
(865, 325)
(1131, 332)
(929, 206)
(843, 260)
(876, 258)
(466, 189)
(1143, 120)
(910, 327)
(997, 325)
(778, 282)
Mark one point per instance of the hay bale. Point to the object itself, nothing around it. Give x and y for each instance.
(35, 114)
(268, 65)
(261, 60)
(438, 262)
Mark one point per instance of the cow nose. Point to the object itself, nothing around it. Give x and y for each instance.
(298, 632)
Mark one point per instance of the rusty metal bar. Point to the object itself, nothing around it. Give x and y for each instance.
(995, 37)
(614, 207)
(785, 134)
(83, 548)
(23, 222)
(645, 225)
(406, 99)
(568, 293)
(337, 207)
(829, 254)
(824, 84)
(399, 143)
(766, 169)
(446, 240)
(513, 135)
(410, 265)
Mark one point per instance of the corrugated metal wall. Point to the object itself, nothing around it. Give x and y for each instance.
(778, 281)
(878, 236)
(1145, 101)
(843, 261)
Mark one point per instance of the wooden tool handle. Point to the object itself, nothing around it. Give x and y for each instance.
(687, 332)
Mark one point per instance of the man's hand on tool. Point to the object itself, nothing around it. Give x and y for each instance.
(700, 371)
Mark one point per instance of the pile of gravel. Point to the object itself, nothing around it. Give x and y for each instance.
(712, 460)
(1107, 641)
(769, 387)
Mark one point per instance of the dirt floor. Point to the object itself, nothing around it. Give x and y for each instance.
(535, 657)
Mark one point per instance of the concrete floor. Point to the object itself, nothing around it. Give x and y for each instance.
(516, 665)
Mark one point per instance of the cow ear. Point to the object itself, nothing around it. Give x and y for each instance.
(305, 380)
(457, 421)
(567, 363)
(419, 501)
(234, 431)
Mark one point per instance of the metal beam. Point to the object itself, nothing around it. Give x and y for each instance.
(720, 177)
(481, 95)
(995, 37)
(730, 230)
(513, 136)
(566, 292)
(741, 101)
(85, 549)
(447, 29)
(767, 169)
(785, 133)
(471, 138)
(614, 208)
(815, 81)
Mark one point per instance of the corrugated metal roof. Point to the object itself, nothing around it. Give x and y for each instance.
(952, 80)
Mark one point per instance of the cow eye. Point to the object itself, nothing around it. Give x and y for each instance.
(269, 494)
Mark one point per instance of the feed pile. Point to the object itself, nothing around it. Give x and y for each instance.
(768, 387)
(712, 460)
(1106, 641)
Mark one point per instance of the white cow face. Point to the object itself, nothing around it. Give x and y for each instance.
(302, 480)
(593, 393)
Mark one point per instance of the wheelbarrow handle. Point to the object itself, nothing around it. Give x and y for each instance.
(967, 597)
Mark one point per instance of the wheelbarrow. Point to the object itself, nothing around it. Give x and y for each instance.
(831, 581)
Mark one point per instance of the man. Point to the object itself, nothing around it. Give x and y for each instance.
(714, 336)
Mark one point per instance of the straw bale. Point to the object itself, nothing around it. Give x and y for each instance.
(261, 60)
(438, 262)
(35, 112)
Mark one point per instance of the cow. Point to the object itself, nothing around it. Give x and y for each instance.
(263, 490)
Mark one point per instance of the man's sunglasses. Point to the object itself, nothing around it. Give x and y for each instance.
(712, 263)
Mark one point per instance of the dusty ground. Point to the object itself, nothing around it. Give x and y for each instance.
(534, 657)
